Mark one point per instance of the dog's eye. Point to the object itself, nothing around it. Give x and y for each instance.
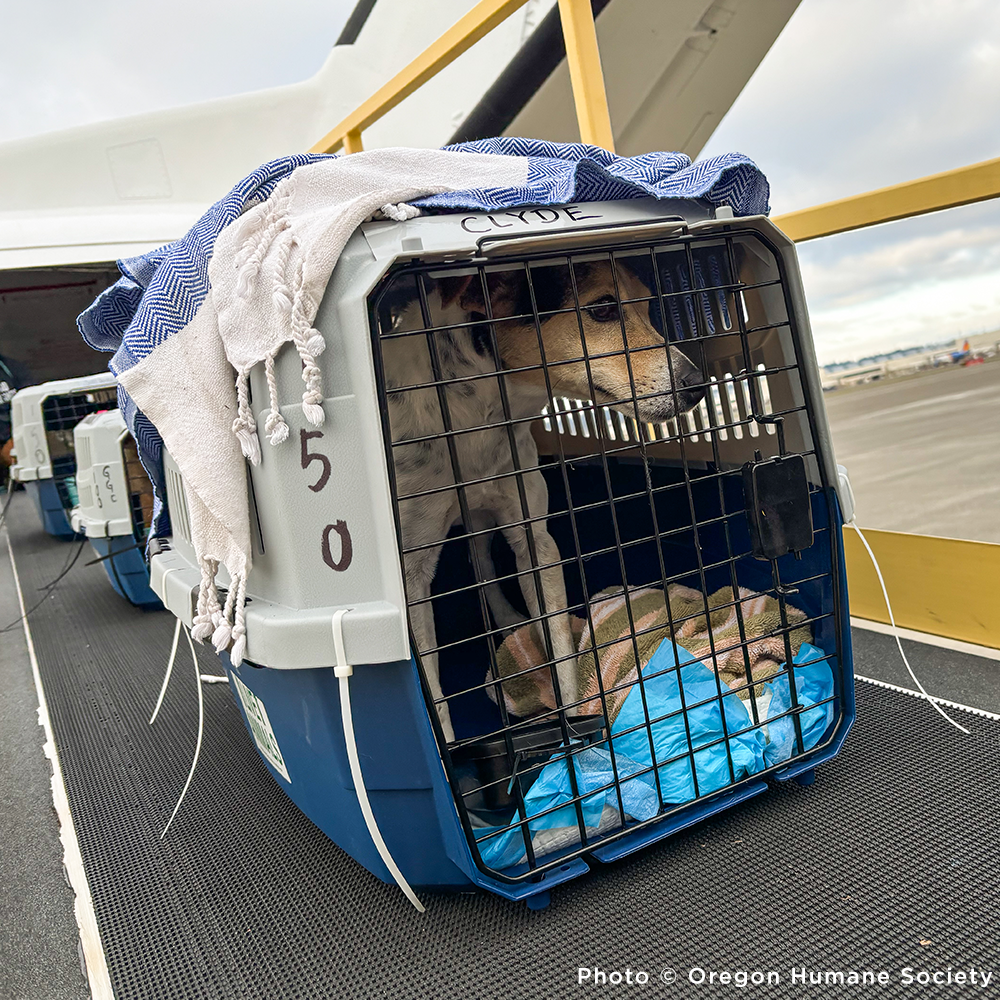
(604, 310)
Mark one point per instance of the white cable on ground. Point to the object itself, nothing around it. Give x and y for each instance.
(201, 729)
(343, 670)
(166, 676)
(895, 631)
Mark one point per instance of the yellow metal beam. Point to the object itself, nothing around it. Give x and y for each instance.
(461, 36)
(945, 586)
(963, 186)
(585, 73)
(352, 142)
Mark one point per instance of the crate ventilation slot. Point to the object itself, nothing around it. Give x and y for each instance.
(721, 413)
(178, 507)
(83, 459)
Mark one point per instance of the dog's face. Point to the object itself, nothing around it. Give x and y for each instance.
(606, 351)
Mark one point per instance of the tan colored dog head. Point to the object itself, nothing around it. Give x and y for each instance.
(607, 351)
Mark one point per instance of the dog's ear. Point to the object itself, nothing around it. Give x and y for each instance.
(459, 288)
(508, 291)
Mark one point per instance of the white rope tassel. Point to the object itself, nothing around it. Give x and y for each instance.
(214, 607)
(401, 212)
(224, 627)
(895, 632)
(244, 426)
(239, 649)
(208, 601)
(310, 344)
(251, 255)
(312, 398)
(282, 295)
(274, 427)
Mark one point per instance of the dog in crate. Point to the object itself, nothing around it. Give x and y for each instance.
(469, 358)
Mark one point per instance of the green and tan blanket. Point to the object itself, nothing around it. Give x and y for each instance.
(620, 636)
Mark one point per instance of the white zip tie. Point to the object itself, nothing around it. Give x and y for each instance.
(895, 632)
(201, 729)
(166, 676)
(343, 670)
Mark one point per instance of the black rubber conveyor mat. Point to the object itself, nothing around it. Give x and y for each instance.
(889, 861)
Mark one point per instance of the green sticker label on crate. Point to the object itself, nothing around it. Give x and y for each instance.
(260, 727)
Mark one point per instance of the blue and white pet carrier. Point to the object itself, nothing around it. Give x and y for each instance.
(115, 503)
(42, 420)
(568, 542)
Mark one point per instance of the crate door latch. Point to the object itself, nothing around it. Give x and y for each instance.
(778, 506)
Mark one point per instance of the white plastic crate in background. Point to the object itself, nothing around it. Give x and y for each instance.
(40, 438)
(115, 509)
(43, 418)
(105, 509)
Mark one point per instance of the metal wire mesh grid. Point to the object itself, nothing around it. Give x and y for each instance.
(60, 414)
(658, 370)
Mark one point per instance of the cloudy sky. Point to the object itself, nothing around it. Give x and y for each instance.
(855, 94)
(859, 94)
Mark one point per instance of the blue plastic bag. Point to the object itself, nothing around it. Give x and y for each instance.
(663, 685)
(552, 786)
(813, 683)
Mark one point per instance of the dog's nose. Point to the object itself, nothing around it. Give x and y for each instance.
(691, 378)
(690, 388)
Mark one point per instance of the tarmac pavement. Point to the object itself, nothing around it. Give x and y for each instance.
(923, 451)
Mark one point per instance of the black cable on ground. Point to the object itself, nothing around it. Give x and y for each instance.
(6, 503)
(48, 588)
(111, 555)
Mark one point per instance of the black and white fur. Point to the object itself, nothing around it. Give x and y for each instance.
(484, 456)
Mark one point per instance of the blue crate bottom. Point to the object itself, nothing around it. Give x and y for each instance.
(295, 720)
(294, 717)
(126, 569)
(44, 494)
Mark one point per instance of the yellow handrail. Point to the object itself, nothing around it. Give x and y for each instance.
(945, 586)
(962, 186)
(585, 73)
(581, 52)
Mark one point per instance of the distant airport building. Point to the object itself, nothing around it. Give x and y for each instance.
(983, 345)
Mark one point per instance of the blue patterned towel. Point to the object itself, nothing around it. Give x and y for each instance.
(159, 292)
(181, 336)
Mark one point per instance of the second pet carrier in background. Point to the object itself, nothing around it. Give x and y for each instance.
(115, 503)
(42, 421)
(573, 519)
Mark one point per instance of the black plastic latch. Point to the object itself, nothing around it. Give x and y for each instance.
(155, 547)
(778, 506)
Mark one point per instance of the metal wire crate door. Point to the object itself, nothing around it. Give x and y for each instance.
(60, 414)
(565, 439)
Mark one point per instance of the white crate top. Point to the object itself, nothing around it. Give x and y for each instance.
(104, 509)
(31, 447)
(322, 523)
